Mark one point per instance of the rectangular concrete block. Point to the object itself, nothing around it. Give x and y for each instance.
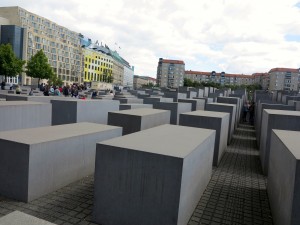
(20, 218)
(217, 121)
(175, 95)
(45, 99)
(275, 119)
(129, 100)
(226, 108)
(237, 102)
(197, 104)
(20, 114)
(134, 106)
(134, 120)
(152, 100)
(258, 117)
(76, 110)
(176, 109)
(207, 100)
(155, 176)
(284, 177)
(37, 161)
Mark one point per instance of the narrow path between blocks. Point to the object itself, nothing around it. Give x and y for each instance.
(236, 194)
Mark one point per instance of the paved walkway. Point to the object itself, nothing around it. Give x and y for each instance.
(235, 195)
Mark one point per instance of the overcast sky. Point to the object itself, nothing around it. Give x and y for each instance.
(235, 36)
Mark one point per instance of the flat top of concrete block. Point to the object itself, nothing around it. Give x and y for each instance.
(51, 133)
(207, 114)
(170, 140)
(282, 112)
(138, 104)
(291, 139)
(20, 103)
(224, 104)
(19, 218)
(83, 100)
(190, 99)
(173, 103)
(140, 111)
(228, 97)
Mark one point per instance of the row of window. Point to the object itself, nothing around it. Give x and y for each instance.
(96, 61)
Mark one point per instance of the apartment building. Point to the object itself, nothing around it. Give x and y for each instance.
(221, 78)
(284, 79)
(61, 45)
(139, 81)
(170, 73)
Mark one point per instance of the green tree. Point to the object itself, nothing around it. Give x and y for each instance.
(187, 82)
(54, 80)
(38, 67)
(10, 65)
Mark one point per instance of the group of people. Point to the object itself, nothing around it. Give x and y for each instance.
(248, 112)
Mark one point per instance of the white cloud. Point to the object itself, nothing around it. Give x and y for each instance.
(223, 35)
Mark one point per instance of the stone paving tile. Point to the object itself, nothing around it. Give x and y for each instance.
(69, 205)
(235, 195)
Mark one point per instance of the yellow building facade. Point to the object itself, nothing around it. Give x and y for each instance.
(97, 66)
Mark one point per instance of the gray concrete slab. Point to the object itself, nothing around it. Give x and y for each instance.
(134, 106)
(129, 100)
(226, 108)
(275, 119)
(197, 104)
(37, 161)
(19, 218)
(233, 100)
(155, 176)
(217, 121)
(45, 99)
(176, 109)
(152, 100)
(175, 95)
(258, 117)
(76, 110)
(207, 100)
(22, 114)
(284, 177)
(134, 120)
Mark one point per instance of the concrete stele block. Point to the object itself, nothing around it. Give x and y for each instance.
(45, 99)
(70, 110)
(134, 120)
(20, 218)
(37, 161)
(226, 108)
(22, 114)
(233, 100)
(197, 104)
(134, 106)
(210, 120)
(284, 177)
(176, 109)
(258, 118)
(152, 100)
(155, 176)
(275, 119)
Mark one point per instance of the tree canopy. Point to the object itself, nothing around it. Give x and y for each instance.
(10, 65)
(38, 67)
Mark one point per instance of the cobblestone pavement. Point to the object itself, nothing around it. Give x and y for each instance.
(235, 195)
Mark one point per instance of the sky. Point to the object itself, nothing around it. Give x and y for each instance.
(234, 36)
